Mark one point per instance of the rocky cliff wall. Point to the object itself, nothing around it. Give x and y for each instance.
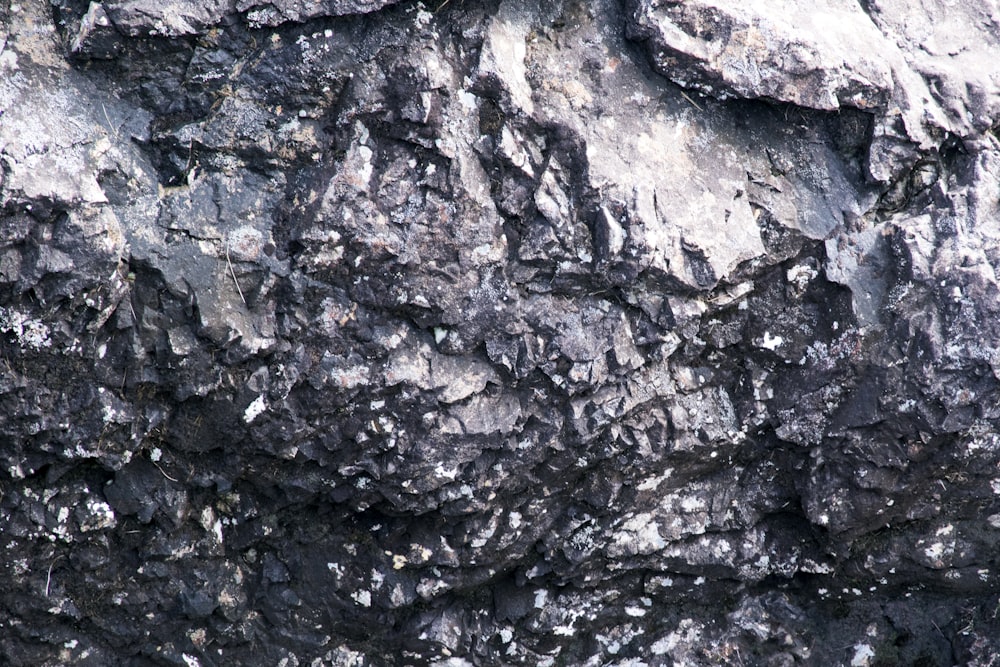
(362, 332)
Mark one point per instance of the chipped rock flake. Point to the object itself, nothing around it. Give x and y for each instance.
(637, 535)
(255, 409)
(863, 654)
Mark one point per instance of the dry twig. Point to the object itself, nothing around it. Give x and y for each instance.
(696, 105)
(229, 263)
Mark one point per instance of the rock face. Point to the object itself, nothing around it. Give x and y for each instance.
(586, 333)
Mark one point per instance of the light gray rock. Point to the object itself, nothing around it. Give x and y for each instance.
(274, 12)
(821, 55)
(146, 18)
(889, 59)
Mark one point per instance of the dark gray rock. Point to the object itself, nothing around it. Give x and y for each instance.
(641, 333)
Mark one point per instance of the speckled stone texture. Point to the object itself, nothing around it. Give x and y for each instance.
(499, 333)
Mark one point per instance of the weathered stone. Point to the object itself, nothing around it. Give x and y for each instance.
(882, 57)
(374, 332)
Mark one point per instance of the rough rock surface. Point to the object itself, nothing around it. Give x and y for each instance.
(508, 332)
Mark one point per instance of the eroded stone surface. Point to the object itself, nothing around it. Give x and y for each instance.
(498, 333)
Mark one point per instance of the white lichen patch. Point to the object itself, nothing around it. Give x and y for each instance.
(771, 342)
(398, 596)
(934, 551)
(420, 553)
(97, 515)
(688, 633)
(211, 523)
(937, 551)
(809, 565)
(692, 504)
(430, 588)
(801, 275)
(29, 332)
(566, 630)
(349, 377)
(637, 535)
